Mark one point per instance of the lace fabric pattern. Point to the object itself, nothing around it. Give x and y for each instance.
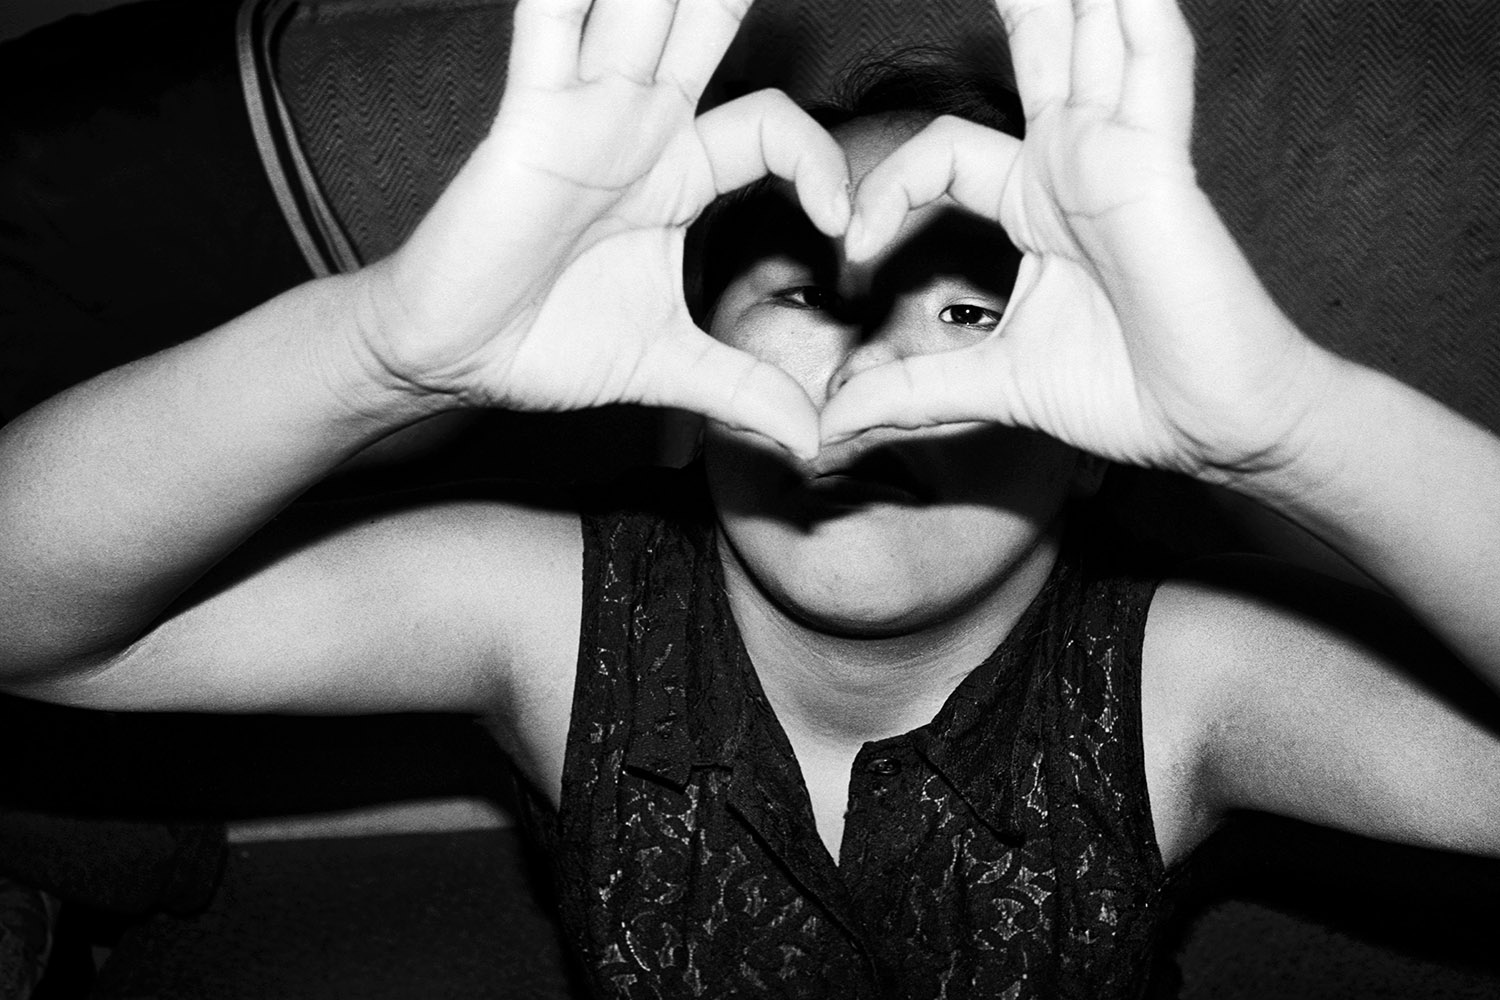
(1003, 850)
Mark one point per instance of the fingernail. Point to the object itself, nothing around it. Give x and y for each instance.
(843, 211)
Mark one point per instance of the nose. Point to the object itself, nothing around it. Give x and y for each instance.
(881, 330)
(875, 323)
(867, 352)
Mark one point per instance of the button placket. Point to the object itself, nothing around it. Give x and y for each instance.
(873, 846)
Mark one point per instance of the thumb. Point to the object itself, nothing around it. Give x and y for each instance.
(922, 391)
(695, 372)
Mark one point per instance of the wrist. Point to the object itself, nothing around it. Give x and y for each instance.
(357, 362)
(383, 345)
(1306, 433)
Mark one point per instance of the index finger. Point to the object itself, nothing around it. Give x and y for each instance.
(766, 133)
(950, 156)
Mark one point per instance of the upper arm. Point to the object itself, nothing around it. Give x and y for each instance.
(457, 603)
(1276, 689)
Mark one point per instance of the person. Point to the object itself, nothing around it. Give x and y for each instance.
(874, 719)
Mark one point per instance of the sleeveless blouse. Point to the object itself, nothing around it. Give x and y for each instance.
(1003, 850)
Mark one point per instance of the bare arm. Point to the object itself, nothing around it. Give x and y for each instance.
(120, 492)
(547, 277)
(1139, 332)
(1273, 688)
(410, 601)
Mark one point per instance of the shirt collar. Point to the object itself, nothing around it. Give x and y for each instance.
(706, 716)
(976, 740)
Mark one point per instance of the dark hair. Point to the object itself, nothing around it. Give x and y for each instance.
(924, 81)
(921, 81)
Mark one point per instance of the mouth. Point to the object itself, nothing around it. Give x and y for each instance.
(858, 474)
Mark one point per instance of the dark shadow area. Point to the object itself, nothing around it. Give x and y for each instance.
(196, 768)
(420, 915)
(1275, 908)
(120, 816)
(1351, 147)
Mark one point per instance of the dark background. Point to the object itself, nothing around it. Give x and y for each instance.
(1354, 147)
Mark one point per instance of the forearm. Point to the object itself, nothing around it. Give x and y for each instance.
(119, 493)
(1408, 491)
(1395, 482)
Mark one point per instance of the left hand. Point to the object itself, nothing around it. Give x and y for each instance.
(1136, 329)
(548, 276)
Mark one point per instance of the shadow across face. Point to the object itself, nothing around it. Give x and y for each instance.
(976, 466)
(942, 286)
(763, 221)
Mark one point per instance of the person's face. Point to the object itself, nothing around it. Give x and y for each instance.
(893, 531)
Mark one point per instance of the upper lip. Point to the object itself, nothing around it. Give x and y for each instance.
(872, 457)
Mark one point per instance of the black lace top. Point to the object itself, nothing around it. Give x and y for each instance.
(1003, 850)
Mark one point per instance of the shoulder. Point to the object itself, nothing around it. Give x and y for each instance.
(646, 530)
(1224, 637)
(1225, 631)
(180, 233)
(1266, 686)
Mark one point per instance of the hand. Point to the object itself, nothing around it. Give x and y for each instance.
(1136, 329)
(549, 274)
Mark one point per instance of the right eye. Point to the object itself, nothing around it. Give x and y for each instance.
(806, 297)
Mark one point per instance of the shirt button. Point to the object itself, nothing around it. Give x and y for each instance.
(884, 766)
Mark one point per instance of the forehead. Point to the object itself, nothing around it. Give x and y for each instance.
(766, 223)
(946, 229)
(867, 141)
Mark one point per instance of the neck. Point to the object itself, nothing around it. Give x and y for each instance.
(842, 690)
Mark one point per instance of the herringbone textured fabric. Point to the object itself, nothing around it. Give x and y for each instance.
(389, 99)
(1353, 145)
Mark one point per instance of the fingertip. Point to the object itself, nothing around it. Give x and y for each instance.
(839, 420)
(834, 436)
(870, 229)
(821, 176)
(801, 447)
(798, 438)
(772, 405)
(879, 209)
(840, 214)
(855, 239)
(869, 232)
(804, 449)
(805, 440)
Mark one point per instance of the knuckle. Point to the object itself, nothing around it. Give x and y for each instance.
(947, 124)
(1014, 14)
(769, 99)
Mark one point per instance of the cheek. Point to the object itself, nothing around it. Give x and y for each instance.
(807, 350)
(1006, 467)
(746, 474)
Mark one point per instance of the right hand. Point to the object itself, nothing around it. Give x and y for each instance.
(549, 274)
(1137, 329)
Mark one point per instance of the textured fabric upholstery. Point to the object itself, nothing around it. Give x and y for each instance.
(1353, 147)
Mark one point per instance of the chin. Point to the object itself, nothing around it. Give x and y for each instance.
(865, 621)
(838, 593)
(892, 573)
